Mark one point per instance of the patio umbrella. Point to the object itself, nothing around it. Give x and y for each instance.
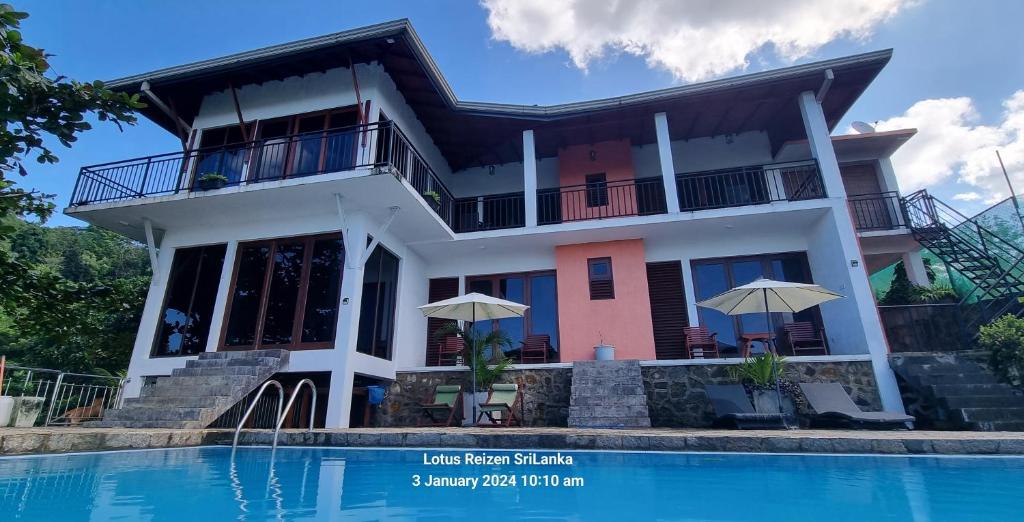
(767, 296)
(471, 308)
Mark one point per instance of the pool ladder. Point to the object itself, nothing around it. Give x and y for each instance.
(282, 411)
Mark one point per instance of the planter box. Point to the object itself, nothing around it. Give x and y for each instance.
(767, 401)
(467, 406)
(26, 411)
(6, 409)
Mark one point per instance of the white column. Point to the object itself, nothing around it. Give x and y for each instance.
(888, 181)
(821, 144)
(668, 169)
(339, 399)
(530, 178)
(220, 304)
(914, 265)
(857, 314)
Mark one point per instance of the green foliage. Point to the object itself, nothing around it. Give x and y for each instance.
(1004, 340)
(37, 104)
(759, 371)
(213, 177)
(902, 291)
(433, 196)
(477, 346)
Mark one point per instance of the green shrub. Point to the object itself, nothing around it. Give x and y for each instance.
(1004, 340)
(759, 371)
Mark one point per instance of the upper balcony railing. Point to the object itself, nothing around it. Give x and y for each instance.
(600, 200)
(753, 185)
(882, 211)
(373, 145)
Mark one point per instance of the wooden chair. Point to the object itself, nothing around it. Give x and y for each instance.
(444, 408)
(700, 344)
(802, 337)
(502, 407)
(449, 350)
(535, 349)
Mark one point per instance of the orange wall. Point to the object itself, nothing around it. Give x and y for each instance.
(615, 160)
(623, 322)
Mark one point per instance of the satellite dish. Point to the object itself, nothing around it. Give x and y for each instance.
(862, 127)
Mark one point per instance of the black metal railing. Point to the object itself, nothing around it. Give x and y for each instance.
(753, 185)
(489, 212)
(606, 199)
(373, 145)
(882, 211)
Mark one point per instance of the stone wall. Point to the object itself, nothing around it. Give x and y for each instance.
(676, 398)
(675, 393)
(545, 395)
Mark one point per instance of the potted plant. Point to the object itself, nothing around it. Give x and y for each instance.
(433, 199)
(486, 369)
(759, 376)
(603, 351)
(212, 180)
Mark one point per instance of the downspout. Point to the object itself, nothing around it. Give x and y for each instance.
(826, 84)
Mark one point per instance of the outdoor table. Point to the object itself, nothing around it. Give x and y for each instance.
(749, 338)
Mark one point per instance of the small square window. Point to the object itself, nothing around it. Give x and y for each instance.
(602, 285)
(597, 190)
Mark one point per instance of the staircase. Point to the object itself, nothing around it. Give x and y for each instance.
(993, 264)
(608, 394)
(959, 393)
(194, 396)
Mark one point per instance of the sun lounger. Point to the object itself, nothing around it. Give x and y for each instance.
(502, 407)
(444, 407)
(833, 405)
(733, 409)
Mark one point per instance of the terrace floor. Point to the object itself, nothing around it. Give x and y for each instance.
(19, 441)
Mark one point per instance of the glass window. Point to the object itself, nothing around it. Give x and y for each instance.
(377, 311)
(543, 311)
(710, 280)
(536, 290)
(188, 305)
(597, 190)
(222, 151)
(285, 294)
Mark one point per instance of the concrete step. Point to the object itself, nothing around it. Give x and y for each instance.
(982, 401)
(220, 370)
(135, 424)
(947, 390)
(991, 414)
(602, 400)
(958, 378)
(184, 381)
(244, 354)
(610, 422)
(234, 361)
(157, 413)
(997, 426)
(193, 391)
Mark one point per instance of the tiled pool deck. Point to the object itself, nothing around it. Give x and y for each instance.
(17, 441)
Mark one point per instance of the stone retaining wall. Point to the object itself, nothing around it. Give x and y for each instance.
(675, 393)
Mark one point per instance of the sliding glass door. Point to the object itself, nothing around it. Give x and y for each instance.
(534, 289)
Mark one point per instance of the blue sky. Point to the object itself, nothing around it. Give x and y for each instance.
(955, 66)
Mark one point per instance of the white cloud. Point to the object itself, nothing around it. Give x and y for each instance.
(693, 39)
(967, 196)
(952, 145)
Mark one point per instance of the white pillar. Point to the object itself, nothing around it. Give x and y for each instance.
(887, 179)
(913, 263)
(821, 144)
(339, 399)
(220, 304)
(860, 312)
(530, 178)
(668, 170)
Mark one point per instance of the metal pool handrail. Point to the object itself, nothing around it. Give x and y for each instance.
(291, 400)
(256, 400)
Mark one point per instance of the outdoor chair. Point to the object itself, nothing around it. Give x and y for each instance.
(535, 349)
(444, 408)
(700, 344)
(832, 406)
(502, 406)
(733, 409)
(803, 338)
(449, 350)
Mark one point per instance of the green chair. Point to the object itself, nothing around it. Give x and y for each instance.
(503, 404)
(445, 407)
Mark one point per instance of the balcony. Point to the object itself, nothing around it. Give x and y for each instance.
(753, 185)
(878, 212)
(377, 147)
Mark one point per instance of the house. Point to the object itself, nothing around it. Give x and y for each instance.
(328, 187)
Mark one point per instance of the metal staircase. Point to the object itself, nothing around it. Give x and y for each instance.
(993, 265)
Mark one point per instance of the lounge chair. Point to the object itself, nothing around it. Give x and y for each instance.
(535, 349)
(733, 409)
(502, 406)
(444, 407)
(802, 338)
(700, 344)
(832, 405)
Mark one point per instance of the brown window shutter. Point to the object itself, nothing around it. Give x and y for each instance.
(668, 308)
(440, 289)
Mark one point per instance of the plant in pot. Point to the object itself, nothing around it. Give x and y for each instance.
(433, 199)
(212, 180)
(485, 355)
(25, 405)
(758, 375)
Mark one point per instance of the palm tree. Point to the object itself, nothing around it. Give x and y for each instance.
(475, 350)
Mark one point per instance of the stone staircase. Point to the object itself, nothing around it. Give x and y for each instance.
(959, 393)
(194, 396)
(608, 394)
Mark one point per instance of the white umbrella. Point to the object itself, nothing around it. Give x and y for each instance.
(767, 296)
(472, 307)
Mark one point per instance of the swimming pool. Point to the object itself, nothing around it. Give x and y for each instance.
(196, 484)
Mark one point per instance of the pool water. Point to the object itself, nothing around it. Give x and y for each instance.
(194, 484)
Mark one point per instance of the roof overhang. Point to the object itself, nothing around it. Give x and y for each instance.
(853, 147)
(478, 133)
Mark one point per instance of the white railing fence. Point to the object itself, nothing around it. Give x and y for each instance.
(68, 398)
